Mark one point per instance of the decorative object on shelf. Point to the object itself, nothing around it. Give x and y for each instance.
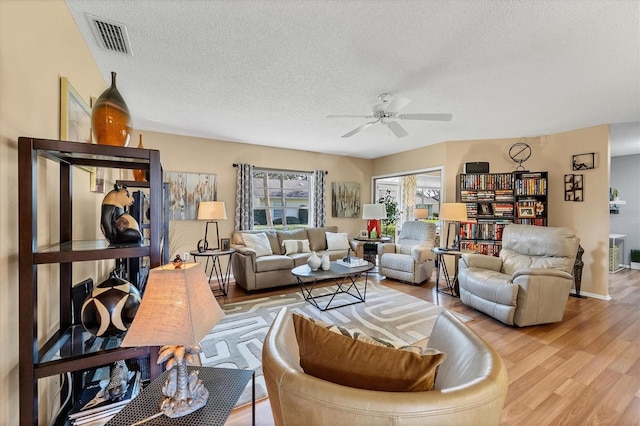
(526, 212)
(141, 175)
(110, 118)
(326, 262)
(211, 211)
(187, 190)
(118, 381)
(520, 152)
(573, 187)
(453, 214)
(373, 213)
(110, 308)
(345, 199)
(177, 311)
(583, 161)
(314, 261)
(116, 224)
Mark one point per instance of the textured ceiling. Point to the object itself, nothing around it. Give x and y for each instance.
(269, 72)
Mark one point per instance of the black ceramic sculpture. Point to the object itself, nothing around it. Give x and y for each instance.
(116, 224)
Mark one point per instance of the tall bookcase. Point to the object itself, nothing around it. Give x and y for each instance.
(495, 200)
(70, 348)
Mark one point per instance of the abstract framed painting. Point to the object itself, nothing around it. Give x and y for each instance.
(345, 199)
(186, 190)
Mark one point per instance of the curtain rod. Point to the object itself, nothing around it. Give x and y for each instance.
(281, 170)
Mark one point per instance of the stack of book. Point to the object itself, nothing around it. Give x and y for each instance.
(92, 409)
(355, 262)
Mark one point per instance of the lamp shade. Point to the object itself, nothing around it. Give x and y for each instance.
(453, 212)
(177, 308)
(212, 210)
(420, 213)
(374, 211)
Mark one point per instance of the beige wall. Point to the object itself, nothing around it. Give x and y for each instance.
(39, 43)
(552, 153)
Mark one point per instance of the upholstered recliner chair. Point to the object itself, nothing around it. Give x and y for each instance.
(410, 259)
(470, 385)
(529, 283)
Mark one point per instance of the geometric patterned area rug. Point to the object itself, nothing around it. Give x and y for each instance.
(236, 341)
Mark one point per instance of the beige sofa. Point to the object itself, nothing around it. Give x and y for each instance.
(256, 273)
(529, 283)
(470, 387)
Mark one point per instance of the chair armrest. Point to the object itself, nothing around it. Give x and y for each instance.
(386, 248)
(473, 260)
(542, 272)
(422, 254)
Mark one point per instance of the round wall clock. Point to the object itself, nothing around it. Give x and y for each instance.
(519, 153)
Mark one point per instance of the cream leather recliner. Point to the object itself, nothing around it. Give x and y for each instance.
(470, 387)
(410, 259)
(529, 283)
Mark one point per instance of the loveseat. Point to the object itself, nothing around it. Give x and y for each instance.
(470, 385)
(529, 283)
(256, 270)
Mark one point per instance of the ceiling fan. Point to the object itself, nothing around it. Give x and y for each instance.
(387, 111)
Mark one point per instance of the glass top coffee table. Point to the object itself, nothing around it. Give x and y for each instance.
(345, 278)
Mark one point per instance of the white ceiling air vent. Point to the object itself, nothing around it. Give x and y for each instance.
(110, 35)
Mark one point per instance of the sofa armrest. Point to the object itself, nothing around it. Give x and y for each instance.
(386, 248)
(422, 254)
(473, 260)
(542, 272)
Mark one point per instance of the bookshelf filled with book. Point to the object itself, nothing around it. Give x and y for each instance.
(495, 200)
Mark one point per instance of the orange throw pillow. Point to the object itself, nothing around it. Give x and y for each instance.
(346, 361)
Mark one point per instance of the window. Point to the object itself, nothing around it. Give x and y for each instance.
(281, 199)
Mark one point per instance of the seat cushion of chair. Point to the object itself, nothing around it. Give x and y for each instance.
(397, 262)
(489, 285)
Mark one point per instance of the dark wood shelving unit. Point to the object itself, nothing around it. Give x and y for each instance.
(71, 348)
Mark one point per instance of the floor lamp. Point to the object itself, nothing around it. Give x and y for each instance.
(453, 213)
(211, 211)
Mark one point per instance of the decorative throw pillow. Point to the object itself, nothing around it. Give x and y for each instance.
(296, 246)
(355, 363)
(337, 240)
(258, 242)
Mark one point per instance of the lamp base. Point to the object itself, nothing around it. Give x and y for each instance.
(179, 402)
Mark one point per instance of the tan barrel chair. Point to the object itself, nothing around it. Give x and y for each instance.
(470, 387)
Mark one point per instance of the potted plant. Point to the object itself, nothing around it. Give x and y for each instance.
(391, 206)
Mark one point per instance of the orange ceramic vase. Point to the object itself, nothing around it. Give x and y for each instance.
(140, 175)
(110, 118)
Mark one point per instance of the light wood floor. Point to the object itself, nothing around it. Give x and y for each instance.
(584, 370)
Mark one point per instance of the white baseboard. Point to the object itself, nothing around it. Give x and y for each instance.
(592, 295)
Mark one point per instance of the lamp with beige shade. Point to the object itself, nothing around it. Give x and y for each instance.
(211, 211)
(453, 214)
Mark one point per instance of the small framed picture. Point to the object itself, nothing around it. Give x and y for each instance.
(526, 211)
(364, 233)
(584, 161)
(225, 244)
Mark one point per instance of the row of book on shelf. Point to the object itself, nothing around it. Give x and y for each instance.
(487, 181)
(489, 248)
(471, 196)
(482, 230)
(93, 409)
(531, 186)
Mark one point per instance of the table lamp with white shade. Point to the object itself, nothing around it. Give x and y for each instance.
(211, 211)
(373, 213)
(453, 214)
(177, 311)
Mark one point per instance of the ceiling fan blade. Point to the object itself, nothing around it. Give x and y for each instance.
(432, 117)
(397, 103)
(350, 116)
(397, 129)
(358, 129)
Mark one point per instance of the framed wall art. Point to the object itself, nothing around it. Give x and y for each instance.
(186, 190)
(583, 161)
(345, 199)
(573, 187)
(75, 117)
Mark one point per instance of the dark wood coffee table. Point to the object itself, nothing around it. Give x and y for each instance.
(344, 277)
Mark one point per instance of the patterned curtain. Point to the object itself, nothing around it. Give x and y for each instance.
(319, 202)
(410, 185)
(244, 197)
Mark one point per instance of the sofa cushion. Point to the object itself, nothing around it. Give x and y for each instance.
(337, 241)
(275, 262)
(343, 360)
(293, 234)
(259, 243)
(317, 237)
(238, 238)
(296, 246)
